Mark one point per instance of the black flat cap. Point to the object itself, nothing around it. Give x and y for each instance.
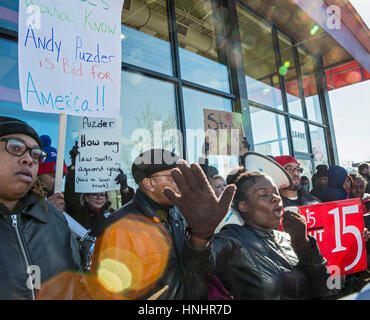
(152, 161)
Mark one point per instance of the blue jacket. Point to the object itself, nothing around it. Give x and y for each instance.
(335, 191)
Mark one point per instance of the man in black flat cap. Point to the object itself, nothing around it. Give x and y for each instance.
(152, 172)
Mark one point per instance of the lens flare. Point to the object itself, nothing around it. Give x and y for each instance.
(129, 258)
(314, 29)
(114, 275)
(283, 70)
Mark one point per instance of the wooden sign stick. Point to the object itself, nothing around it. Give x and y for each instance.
(60, 153)
(158, 293)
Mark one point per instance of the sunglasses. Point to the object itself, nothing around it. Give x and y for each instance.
(18, 148)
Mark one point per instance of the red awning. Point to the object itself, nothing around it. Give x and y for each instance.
(345, 75)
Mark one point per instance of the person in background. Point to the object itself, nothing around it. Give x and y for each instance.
(91, 209)
(46, 173)
(364, 170)
(127, 193)
(218, 184)
(339, 184)
(319, 181)
(34, 232)
(305, 182)
(232, 216)
(95, 209)
(358, 191)
(295, 195)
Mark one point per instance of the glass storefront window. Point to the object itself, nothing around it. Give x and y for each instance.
(194, 102)
(261, 72)
(318, 145)
(269, 132)
(199, 60)
(145, 39)
(9, 14)
(299, 135)
(289, 72)
(306, 165)
(148, 117)
(310, 87)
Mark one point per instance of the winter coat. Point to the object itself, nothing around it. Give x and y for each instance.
(254, 264)
(183, 285)
(336, 177)
(318, 192)
(33, 237)
(304, 199)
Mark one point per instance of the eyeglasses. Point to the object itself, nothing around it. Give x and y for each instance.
(97, 195)
(292, 170)
(18, 148)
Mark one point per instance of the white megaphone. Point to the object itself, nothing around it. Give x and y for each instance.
(257, 162)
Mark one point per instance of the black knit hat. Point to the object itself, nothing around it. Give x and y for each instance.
(153, 161)
(11, 125)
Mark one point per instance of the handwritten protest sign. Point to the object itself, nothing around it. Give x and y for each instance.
(337, 227)
(99, 160)
(224, 132)
(69, 55)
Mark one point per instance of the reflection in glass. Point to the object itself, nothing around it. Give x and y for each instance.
(145, 40)
(299, 135)
(194, 103)
(269, 132)
(199, 59)
(289, 72)
(261, 72)
(310, 87)
(9, 14)
(148, 117)
(318, 145)
(306, 165)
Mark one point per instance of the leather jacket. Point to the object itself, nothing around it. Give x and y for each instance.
(183, 285)
(33, 238)
(253, 264)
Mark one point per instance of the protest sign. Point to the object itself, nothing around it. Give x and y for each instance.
(69, 55)
(224, 132)
(337, 227)
(99, 159)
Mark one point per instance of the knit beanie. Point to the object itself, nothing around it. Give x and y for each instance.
(284, 160)
(11, 125)
(49, 165)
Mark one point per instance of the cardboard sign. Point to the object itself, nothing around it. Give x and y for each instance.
(69, 56)
(337, 227)
(99, 160)
(224, 132)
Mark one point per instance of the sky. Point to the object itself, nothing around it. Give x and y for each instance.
(351, 110)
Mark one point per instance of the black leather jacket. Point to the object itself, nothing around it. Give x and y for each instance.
(253, 264)
(33, 237)
(183, 285)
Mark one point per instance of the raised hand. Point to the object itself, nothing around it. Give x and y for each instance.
(122, 180)
(198, 202)
(295, 224)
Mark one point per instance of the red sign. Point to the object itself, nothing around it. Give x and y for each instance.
(337, 227)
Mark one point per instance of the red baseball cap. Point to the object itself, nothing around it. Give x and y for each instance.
(284, 160)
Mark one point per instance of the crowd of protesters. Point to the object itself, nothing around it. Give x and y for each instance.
(225, 241)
